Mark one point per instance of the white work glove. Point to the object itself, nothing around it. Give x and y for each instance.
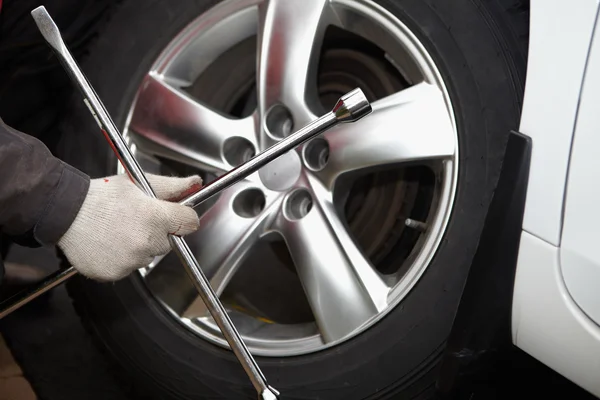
(120, 229)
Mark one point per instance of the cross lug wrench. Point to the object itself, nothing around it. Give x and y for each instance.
(349, 108)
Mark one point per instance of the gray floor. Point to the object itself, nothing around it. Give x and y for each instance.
(13, 385)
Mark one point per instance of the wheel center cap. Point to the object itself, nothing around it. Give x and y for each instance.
(281, 173)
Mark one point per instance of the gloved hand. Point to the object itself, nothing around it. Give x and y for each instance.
(120, 229)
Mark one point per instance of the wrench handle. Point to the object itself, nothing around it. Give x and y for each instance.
(349, 108)
(52, 35)
(23, 297)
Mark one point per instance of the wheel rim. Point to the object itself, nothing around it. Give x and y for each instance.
(335, 203)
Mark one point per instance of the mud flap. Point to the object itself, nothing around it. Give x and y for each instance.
(481, 334)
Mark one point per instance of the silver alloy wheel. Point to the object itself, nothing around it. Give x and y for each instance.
(295, 198)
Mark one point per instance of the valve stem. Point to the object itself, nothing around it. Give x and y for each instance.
(418, 225)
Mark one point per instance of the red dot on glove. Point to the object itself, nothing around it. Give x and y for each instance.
(189, 191)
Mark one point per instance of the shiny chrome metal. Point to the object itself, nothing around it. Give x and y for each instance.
(222, 318)
(282, 173)
(20, 299)
(425, 134)
(52, 35)
(284, 64)
(351, 107)
(346, 278)
(414, 126)
(178, 112)
(269, 394)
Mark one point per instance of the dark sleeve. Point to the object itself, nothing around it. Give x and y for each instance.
(40, 195)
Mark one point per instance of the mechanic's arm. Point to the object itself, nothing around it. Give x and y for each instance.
(106, 227)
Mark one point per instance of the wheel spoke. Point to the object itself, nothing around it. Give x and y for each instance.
(410, 126)
(169, 123)
(290, 35)
(342, 288)
(223, 241)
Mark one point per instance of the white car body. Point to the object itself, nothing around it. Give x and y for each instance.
(556, 303)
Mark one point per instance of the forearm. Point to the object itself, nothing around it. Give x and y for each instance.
(40, 195)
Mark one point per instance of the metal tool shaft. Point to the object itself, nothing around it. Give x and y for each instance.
(52, 35)
(230, 178)
(349, 108)
(25, 296)
(261, 159)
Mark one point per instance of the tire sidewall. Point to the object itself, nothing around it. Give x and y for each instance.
(165, 359)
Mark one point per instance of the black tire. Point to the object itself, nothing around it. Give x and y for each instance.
(480, 47)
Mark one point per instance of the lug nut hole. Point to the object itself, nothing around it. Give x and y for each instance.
(249, 203)
(316, 154)
(237, 150)
(298, 204)
(279, 122)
